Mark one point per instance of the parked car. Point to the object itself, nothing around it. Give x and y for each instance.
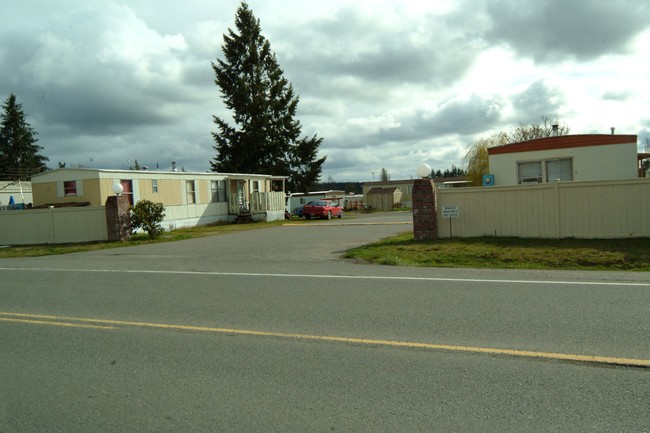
(322, 209)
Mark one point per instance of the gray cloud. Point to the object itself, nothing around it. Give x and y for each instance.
(616, 96)
(537, 101)
(644, 140)
(644, 137)
(85, 74)
(362, 53)
(456, 116)
(554, 30)
(468, 116)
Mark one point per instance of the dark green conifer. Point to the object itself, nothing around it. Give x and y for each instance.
(265, 136)
(19, 157)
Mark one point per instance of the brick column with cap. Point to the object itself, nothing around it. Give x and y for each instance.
(118, 218)
(425, 223)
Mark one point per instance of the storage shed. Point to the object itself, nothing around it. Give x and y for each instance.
(383, 199)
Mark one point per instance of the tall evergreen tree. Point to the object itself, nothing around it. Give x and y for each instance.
(266, 136)
(19, 157)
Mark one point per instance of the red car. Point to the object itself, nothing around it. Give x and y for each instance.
(322, 209)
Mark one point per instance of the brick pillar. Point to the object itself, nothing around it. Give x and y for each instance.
(118, 218)
(425, 224)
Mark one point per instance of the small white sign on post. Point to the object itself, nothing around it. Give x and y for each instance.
(450, 212)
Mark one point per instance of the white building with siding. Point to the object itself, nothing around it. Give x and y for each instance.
(593, 157)
(20, 191)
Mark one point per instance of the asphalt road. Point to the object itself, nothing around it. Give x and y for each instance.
(270, 330)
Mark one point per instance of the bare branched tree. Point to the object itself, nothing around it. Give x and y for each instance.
(476, 159)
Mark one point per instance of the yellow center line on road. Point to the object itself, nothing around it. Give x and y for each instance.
(107, 324)
(53, 323)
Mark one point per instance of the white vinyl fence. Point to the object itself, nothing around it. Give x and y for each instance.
(608, 209)
(53, 226)
(88, 224)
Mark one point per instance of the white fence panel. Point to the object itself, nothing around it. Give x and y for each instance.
(608, 209)
(53, 226)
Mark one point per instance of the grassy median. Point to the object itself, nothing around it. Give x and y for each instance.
(515, 253)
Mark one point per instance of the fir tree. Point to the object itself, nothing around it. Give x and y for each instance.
(19, 157)
(265, 137)
(305, 166)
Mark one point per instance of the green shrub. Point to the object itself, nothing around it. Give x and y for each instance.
(148, 216)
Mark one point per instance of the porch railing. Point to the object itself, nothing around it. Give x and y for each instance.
(267, 201)
(258, 202)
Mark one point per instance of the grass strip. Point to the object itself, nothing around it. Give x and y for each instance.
(515, 253)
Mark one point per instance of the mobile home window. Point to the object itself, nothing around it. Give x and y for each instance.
(559, 169)
(154, 185)
(70, 188)
(127, 189)
(218, 189)
(190, 191)
(529, 172)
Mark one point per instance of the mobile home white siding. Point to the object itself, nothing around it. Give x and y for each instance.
(581, 158)
(595, 163)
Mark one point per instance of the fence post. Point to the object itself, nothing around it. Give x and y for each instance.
(425, 222)
(558, 210)
(53, 231)
(118, 218)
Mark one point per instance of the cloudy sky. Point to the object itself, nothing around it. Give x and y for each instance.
(387, 83)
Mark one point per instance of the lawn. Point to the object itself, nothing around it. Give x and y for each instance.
(516, 253)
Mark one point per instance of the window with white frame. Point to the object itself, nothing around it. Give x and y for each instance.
(70, 188)
(559, 169)
(548, 170)
(218, 190)
(529, 172)
(256, 186)
(127, 189)
(190, 192)
(214, 190)
(154, 185)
